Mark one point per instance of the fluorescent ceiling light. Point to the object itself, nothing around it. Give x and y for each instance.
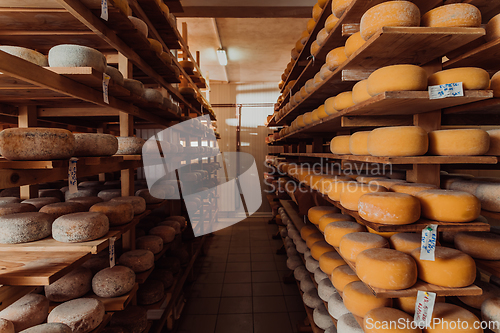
(222, 56)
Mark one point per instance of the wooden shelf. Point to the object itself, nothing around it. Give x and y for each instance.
(113, 304)
(158, 205)
(166, 247)
(292, 213)
(28, 268)
(10, 294)
(492, 267)
(493, 215)
(484, 56)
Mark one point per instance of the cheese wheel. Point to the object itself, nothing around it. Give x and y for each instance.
(335, 58)
(411, 188)
(95, 144)
(353, 43)
(82, 315)
(387, 183)
(348, 323)
(327, 183)
(336, 189)
(325, 288)
(494, 141)
(150, 292)
(472, 78)
(374, 321)
(24, 227)
(493, 29)
(13, 208)
(118, 213)
(358, 299)
(75, 284)
(453, 15)
(113, 281)
(55, 193)
(67, 55)
(358, 143)
(352, 244)
(336, 230)
(309, 86)
(325, 72)
(313, 238)
(452, 318)
(138, 203)
(315, 213)
(360, 92)
(173, 224)
(45, 328)
(321, 318)
(293, 262)
(311, 264)
(134, 318)
(328, 261)
(398, 141)
(316, 12)
(295, 55)
(80, 227)
(489, 291)
(315, 116)
(311, 299)
(456, 142)
(299, 46)
(336, 308)
(330, 23)
(339, 7)
(340, 145)
(449, 206)
(479, 245)
(8, 199)
(29, 310)
(367, 179)
(386, 268)
(321, 38)
(308, 118)
(303, 92)
(396, 78)
(151, 243)
(117, 78)
(130, 145)
(341, 276)
(137, 260)
(27, 54)
(317, 80)
(165, 232)
(389, 208)
(86, 202)
(307, 230)
(329, 218)
(320, 248)
(407, 304)
(343, 101)
(303, 39)
(405, 242)
(389, 14)
(490, 311)
(350, 195)
(451, 268)
(306, 284)
(330, 106)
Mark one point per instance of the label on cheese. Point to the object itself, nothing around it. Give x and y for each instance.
(446, 90)
(72, 180)
(112, 255)
(428, 246)
(104, 10)
(105, 87)
(424, 306)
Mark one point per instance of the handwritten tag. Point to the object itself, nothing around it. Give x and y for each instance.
(104, 10)
(112, 256)
(72, 179)
(424, 308)
(105, 87)
(428, 245)
(446, 90)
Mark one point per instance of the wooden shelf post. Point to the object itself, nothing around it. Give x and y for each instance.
(28, 117)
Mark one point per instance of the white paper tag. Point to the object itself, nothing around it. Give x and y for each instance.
(446, 90)
(104, 10)
(428, 245)
(424, 308)
(72, 179)
(105, 87)
(112, 257)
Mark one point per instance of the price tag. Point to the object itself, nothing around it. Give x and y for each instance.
(105, 87)
(104, 10)
(446, 90)
(424, 308)
(428, 245)
(72, 180)
(112, 257)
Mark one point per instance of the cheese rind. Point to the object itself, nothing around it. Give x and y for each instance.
(453, 15)
(80, 227)
(75, 284)
(334, 231)
(459, 142)
(24, 227)
(405, 242)
(82, 315)
(335, 58)
(449, 206)
(411, 188)
(472, 78)
(113, 281)
(138, 203)
(479, 245)
(328, 261)
(490, 311)
(351, 245)
(343, 275)
(396, 78)
(360, 92)
(330, 23)
(375, 319)
(343, 101)
(398, 141)
(448, 315)
(389, 208)
(137, 260)
(315, 213)
(493, 29)
(340, 145)
(350, 195)
(118, 213)
(339, 7)
(353, 43)
(329, 218)
(358, 299)
(95, 144)
(28, 311)
(320, 248)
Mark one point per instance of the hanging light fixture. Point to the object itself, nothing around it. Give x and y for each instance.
(222, 56)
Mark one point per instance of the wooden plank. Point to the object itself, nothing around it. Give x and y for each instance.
(292, 213)
(113, 304)
(489, 107)
(483, 57)
(22, 268)
(16, 19)
(376, 121)
(10, 294)
(490, 266)
(49, 112)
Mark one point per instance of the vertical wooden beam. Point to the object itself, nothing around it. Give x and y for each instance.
(185, 37)
(317, 146)
(28, 117)
(302, 147)
(125, 66)
(198, 58)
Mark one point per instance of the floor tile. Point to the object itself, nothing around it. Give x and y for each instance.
(297, 318)
(197, 323)
(263, 266)
(290, 289)
(259, 243)
(267, 289)
(213, 267)
(241, 257)
(263, 249)
(231, 323)
(265, 276)
(262, 257)
(281, 265)
(239, 250)
(238, 267)
(235, 305)
(269, 304)
(205, 290)
(272, 323)
(294, 303)
(237, 289)
(217, 277)
(215, 258)
(202, 306)
(238, 277)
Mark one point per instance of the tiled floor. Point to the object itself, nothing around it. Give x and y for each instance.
(239, 286)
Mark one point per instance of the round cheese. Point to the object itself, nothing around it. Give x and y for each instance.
(456, 142)
(330, 23)
(335, 190)
(130, 145)
(107, 195)
(360, 92)
(324, 72)
(313, 238)
(136, 87)
(29, 310)
(448, 316)
(86, 202)
(75, 284)
(315, 213)
(321, 318)
(299, 47)
(493, 29)
(336, 230)
(343, 101)
(452, 15)
(137, 260)
(329, 218)
(24, 227)
(319, 275)
(13, 208)
(95, 144)
(150, 292)
(138, 203)
(308, 119)
(301, 247)
(151, 243)
(80, 227)
(307, 230)
(165, 232)
(311, 264)
(166, 277)
(479, 245)
(407, 304)
(353, 43)
(47, 328)
(494, 141)
(321, 38)
(328, 261)
(405, 242)
(339, 7)
(300, 273)
(389, 208)
(396, 78)
(115, 75)
(311, 299)
(358, 299)
(67, 55)
(449, 206)
(82, 192)
(341, 276)
(320, 248)
(387, 183)
(472, 78)
(358, 143)
(336, 306)
(29, 55)
(398, 141)
(374, 321)
(411, 188)
(293, 262)
(5, 199)
(490, 311)
(340, 145)
(349, 198)
(134, 318)
(389, 14)
(43, 193)
(330, 106)
(82, 315)
(489, 291)
(348, 324)
(451, 268)
(335, 58)
(113, 281)
(118, 213)
(173, 224)
(351, 245)
(32, 144)
(309, 86)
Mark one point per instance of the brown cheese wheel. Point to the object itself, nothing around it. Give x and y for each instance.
(86, 202)
(137, 260)
(13, 208)
(118, 213)
(75, 284)
(113, 281)
(80, 227)
(138, 203)
(40, 202)
(62, 208)
(29, 310)
(82, 315)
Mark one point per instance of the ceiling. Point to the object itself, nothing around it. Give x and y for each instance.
(258, 36)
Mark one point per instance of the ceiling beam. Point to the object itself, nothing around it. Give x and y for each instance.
(246, 12)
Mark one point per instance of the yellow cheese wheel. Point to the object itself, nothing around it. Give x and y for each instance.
(449, 206)
(350, 195)
(315, 116)
(395, 321)
(339, 7)
(320, 248)
(453, 15)
(389, 208)
(411, 188)
(329, 261)
(308, 120)
(330, 106)
(455, 142)
(156, 45)
(341, 276)
(315, 47)
(387, 183)
(358, 299)
(309, 86)
(307, 230)
(304, 37)
(407, 304)
(479, 245)
(489, 291)
(495, 84)
(310, 25)
(327, 183)
(389, 14)
(352, 244)
(335, 190)
(324, 72)
(493, 28)
(322, 3)
(397, 78)
(335, 58)
(386, 268)
(316, 12)
(340, 145)
(331, 22)
(299, 46)
(322, 36)
(451, 318)
(472, 78)
(295, 55)
(367, 179)
(315, 213)
(313, 238)
(329, 218)
(360, 92)
(358, 143)
(405, 242)
(334, 231)
(303, 92)
(387, 235)
(451, 268)
(343, 101)
(317, 80)
(322, 112)
(398, 141)
(300, 121)
(353, 43)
